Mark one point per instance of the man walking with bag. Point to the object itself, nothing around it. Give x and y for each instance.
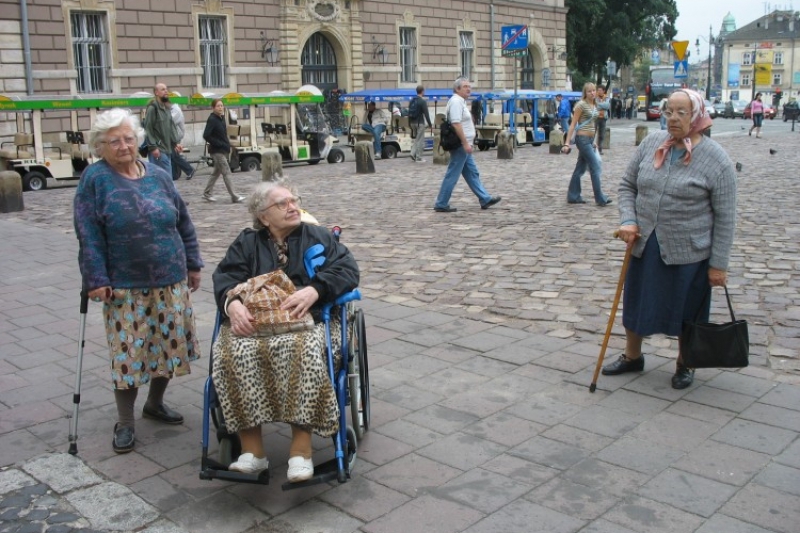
(417, 117)
(461, 161)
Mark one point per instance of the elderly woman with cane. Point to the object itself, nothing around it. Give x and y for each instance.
(677, 204)
(139, 256)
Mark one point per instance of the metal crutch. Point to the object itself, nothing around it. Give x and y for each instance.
(76, 396)
(613, 315)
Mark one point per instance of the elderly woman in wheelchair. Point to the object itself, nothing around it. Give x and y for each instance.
(262, 377)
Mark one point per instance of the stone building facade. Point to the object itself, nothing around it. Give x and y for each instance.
(248, 46)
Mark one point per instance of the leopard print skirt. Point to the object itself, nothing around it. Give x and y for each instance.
(282, 378)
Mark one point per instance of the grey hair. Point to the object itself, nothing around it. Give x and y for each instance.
(258, 199)
(113, 118)
(459, 82)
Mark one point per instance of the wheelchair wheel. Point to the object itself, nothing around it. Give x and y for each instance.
(230, 448)
(352, 446)
(359, 376)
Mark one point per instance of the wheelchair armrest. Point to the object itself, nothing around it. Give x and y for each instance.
(355, 294)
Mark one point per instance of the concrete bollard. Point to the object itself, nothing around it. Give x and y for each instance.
(556, 141)
(505, 145)
(641, 133)
(607, 140)
(271, 166)
(440, 157)
(365, 158)
(11, 192)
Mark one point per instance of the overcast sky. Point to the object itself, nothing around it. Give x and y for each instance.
(694, 17)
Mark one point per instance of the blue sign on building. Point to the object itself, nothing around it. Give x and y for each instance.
(514, 37)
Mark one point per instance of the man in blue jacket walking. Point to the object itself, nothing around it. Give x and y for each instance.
(563, 115)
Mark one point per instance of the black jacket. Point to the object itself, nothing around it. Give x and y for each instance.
(252, 254)
(216, 135)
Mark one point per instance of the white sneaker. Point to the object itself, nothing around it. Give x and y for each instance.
(420, 160)
(300, 469)
(249, 464)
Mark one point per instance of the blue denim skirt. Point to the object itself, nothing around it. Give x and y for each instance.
(659, 297)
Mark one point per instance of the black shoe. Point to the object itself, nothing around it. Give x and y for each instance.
(608, 202)
(623, 364)
(163, 414)
(190, 176)
(490, 203)
(447, 209)
(581, 201)
(684, 376)
(123, 439)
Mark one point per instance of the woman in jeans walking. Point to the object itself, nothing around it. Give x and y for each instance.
(219, 147)
(582, 128)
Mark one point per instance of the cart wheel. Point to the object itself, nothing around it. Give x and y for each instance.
(389, 151)
(34, 181)
(482, 146)
(335, 156)
(250, 164)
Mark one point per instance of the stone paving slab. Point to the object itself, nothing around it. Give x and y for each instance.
(483, 328)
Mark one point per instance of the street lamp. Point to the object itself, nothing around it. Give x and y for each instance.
(710, 42)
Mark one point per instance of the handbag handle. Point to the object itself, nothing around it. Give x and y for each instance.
(708, 295)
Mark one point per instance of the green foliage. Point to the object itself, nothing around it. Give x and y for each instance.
(599, 30)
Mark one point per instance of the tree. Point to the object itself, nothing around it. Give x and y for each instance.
(619, 30)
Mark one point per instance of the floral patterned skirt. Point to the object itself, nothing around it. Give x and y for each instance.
(151, 334)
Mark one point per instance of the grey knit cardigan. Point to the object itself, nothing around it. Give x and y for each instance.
(691, 208)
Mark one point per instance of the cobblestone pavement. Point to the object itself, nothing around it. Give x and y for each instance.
(483, 327)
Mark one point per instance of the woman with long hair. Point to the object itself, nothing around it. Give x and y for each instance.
(582, 127)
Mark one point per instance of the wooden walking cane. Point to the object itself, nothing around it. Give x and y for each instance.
(611, 318)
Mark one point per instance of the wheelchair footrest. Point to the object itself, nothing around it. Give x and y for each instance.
(213, 470)
(327, 471)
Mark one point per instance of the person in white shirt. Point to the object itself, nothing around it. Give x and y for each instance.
(375, 124)
(461, 161)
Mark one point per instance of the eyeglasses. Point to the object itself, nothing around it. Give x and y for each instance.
(116, 143)
(682, 113)
(283, 204)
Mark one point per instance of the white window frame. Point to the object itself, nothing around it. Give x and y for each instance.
(777, 58)
(747, 58)
(466, 49)
(213, 47)
(91, 51)
(777, 78)
(745, 82)
(408, 54)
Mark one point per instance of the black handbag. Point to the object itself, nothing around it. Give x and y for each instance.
(708, 345)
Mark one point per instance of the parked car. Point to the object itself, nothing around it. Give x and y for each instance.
(791, 111)
(769, 111)
(734, 109)
(719, 107)
(653, 112)
(710, 108)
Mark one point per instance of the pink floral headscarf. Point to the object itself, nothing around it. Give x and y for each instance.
(700, 121)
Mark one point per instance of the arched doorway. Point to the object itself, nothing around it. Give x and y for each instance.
(319, 63)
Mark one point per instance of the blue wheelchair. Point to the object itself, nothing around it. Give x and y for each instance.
(350, 382)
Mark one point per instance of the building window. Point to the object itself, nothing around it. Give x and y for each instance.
(90, 49)
(408, 55)
(466, 45)
(777, 79)
(747, 58)
(745, 80)
(213, 51)
(778, 58)
(319, 63)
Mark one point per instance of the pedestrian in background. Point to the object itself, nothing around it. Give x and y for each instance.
(139, 256)
(461, 161)
(563, 115)
(757, 112)
(162, 137)
(583, 129)
(418, 116)
(219, 147)
(677, 205)
(179, 163)
(375, 123)
(603, 110)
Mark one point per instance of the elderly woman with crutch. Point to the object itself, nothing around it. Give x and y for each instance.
(140, 257)
(677, 204)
